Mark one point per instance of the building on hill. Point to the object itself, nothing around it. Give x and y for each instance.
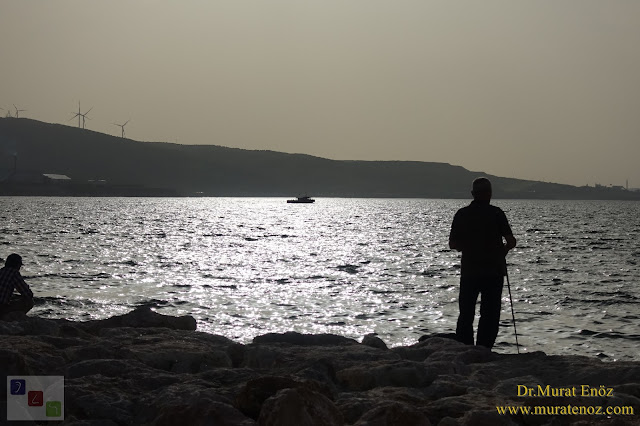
(55, 178)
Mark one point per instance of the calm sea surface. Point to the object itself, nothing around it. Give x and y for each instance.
(248, 266)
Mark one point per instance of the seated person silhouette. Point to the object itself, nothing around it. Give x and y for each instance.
(11, 279)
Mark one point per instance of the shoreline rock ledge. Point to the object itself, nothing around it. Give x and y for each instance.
(144, 368)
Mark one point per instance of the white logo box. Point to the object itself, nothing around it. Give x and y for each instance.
(35, 398)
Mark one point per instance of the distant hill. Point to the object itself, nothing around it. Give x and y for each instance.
(128, 167)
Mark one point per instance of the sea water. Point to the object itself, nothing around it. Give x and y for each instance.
(249, 266)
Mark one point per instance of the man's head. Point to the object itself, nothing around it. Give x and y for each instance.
(481, 189)
(13, 261)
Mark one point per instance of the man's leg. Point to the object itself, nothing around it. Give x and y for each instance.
(467, 303)
(17, 304)
(490, 311)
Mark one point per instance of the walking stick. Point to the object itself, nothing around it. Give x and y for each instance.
(512, 314)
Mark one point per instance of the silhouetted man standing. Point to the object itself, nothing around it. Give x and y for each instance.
(477, 232)
(11, 279)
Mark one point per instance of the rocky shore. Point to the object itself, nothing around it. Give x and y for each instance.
(144, 368)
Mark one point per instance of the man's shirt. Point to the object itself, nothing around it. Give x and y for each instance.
(10, 278)
(478, 230)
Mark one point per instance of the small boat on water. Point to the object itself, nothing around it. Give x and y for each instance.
(304, 200)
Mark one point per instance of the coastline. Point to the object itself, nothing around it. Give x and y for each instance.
(148, 368)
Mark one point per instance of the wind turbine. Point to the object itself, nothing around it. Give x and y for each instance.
(121, 126)
(80, 115)
(18, 111)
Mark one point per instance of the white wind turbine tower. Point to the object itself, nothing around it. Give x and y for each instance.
(122, 126)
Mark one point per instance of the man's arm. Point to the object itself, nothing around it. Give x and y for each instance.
(22, 287)
(511, 243)
(24, 290)
(505, 230)
(455, 242)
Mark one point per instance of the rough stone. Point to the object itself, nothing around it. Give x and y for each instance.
(392, 414)
(143, 317)
(207, 413)
(296, 338)
(374, 341)
(486, 418)
(397, 373)
(255, 392)
(299, 406)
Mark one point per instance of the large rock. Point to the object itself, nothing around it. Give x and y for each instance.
(296, 338)
(396, 373)
(374, 341)
(300, 407)
(168, 350)
(105, 367)
(393, 414)
(427, 347)
(30, 355)
(143, 317)
(194, 404)
(202, 413)
(255, 392)
(290, 357)
(486, 418)
(353, 405)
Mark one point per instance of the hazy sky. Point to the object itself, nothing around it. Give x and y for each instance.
(545, 89)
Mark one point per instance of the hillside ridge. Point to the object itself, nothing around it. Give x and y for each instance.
(30, 147)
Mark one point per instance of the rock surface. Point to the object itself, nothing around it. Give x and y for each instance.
(144, 368)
